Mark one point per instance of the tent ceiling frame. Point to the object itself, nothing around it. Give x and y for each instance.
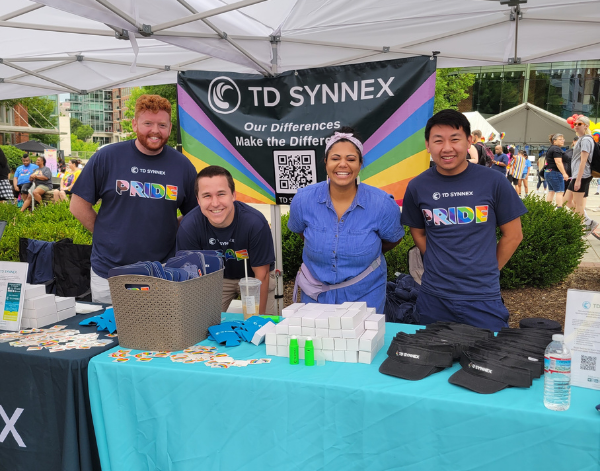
(562, 50)
(35, 74)
(224, 35)
(33, 85)
(120, 13)
(43, 69)
(22, 11)
(56, 29)
(201, 16)
(122, 82)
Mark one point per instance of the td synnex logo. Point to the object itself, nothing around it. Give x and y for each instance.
(224, 95)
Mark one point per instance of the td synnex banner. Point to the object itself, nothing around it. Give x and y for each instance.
(270, 133)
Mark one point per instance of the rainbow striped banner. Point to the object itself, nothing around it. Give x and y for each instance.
(246, 123)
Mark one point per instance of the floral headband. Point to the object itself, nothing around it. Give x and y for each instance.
(339, 136)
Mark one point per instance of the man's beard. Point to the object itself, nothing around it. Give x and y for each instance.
(153, 146)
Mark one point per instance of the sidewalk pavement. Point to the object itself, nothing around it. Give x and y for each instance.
(591, 258)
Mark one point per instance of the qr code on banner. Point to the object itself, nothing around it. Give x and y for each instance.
(294, 169)
(588, 363)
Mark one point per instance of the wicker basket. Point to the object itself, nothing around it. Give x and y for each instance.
(170, 316)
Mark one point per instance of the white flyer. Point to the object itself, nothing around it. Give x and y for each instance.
(13, 276)
(582, 336)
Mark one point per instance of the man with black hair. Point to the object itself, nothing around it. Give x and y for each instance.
(453, 210)
(239, 231)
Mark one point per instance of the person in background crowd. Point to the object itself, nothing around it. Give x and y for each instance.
(222, 223)
(523, 179)
(500, 160)
(579, 185)
(346, 226)
(6, 189)
(42, 177)
(21, 182)
(568, 156)
(453, 210)
(67, 181)
(515, 171)
(480, 148)
(142, 183)
(541, 164)
(555, 174)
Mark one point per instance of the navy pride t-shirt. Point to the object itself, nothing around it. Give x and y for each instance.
(460, 214)
(140, 196)
(249, 233)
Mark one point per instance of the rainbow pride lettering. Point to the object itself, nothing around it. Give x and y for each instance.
(147, 190)
(458, 215)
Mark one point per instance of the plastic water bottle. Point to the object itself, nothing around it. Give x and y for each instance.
(557, 374)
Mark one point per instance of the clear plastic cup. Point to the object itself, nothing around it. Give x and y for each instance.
(250, 292)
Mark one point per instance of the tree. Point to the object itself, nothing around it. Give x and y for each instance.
(166, 91)
(75, 124)
(451, 88)
(77, 145)
(84, 132)
(40, 114)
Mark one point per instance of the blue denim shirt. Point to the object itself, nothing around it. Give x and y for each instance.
(336, 251)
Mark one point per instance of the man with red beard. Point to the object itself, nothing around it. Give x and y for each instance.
(141, 183)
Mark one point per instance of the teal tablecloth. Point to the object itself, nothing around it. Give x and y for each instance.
(177, 417)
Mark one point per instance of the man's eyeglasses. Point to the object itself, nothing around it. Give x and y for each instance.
(578, 124)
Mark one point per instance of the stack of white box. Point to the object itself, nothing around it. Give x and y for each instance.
(41, 309)
(349, 332)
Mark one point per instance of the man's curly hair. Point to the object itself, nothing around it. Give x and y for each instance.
(154, 103)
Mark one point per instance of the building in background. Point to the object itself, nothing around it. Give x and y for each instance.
(562, 88)
(103, 110)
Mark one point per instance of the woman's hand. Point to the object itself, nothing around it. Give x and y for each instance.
(577, 184)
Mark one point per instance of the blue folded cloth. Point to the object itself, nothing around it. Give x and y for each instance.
(224, 334)
(104, 321)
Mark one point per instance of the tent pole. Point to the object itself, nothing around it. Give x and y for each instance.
(47, 79)
(22, 11)
(526, 84)
(276, 232)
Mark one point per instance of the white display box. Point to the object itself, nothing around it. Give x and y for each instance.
(301, 341)
(335, 333)
(301, 353)
(351, 356)
(328, 343)
(347, 305)
(308, 319)
(282, 340)
(318, 343)
(328, 355)
(42, 321)
(339, 344)
(259, 335)
(282, 327)
(308, 331)
(339, 356)
(371, 311)
(33, 291)
(322, 333)
(24, 323)
(66, 313)
(322, 322)
(334, 320)
(63, 303)
(361, 306)
(40, 302)
(352, 345)
(368, 341)
(271, 338)
(329, 307)
(291, 309)
(352, 318)
(375, 322)
(295, 318)
(354, 333)
(283, 351)
(272, 350)
(48, 310)
(366, 357)
(295, 330)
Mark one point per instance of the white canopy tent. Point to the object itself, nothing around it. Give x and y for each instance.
(479, 122)
(58, 46)
(527, 124)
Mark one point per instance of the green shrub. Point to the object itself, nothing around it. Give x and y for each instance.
(397, 258)
(551, 249)
(13, 155)
(51, 223)
(291, 249)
